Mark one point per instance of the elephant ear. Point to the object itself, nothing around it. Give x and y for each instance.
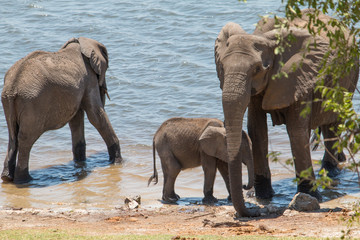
(98, 56)
(246, 146)
(226, 32)
(302, 60)
(212, 142)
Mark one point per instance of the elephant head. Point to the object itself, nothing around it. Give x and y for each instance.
(213, 143)
(245, 64)
(98, 58)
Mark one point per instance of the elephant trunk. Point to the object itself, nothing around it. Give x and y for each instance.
(235, 98)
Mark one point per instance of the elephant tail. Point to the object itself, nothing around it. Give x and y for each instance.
(155, 174)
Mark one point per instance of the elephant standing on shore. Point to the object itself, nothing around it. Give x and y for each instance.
(184, 143)
(245, 65)
(45, 90)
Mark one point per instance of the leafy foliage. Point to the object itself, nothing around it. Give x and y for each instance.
(341, 59)
(343, 33)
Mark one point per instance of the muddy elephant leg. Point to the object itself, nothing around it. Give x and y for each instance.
(99, 119)
(8, 172)
(224, 171)
(331, 156)
(26, 138)
(171, 169)
(258, 132)
(209, 168)
(78, 136)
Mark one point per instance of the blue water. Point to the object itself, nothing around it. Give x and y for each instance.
(161, 66)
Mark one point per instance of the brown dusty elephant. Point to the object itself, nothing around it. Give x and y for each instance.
(184, 143)
(245, 64)
(45, 90)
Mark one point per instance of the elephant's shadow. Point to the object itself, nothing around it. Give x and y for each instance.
(72, 171)
(197, 201)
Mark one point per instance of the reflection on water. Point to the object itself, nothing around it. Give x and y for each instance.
(161, 66)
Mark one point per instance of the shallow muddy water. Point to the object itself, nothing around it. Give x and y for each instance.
(161, 66)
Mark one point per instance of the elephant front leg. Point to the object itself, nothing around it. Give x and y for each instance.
(209, 167)
(99, 119)
(299, 140)
(224, 171)
(78, 136)
(258, 132)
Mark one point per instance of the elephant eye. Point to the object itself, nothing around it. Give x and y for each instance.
(257, 69)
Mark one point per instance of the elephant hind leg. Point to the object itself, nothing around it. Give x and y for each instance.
(331, 157)
(26, 139)
(78, 136)
(8, 172)
(171, 169)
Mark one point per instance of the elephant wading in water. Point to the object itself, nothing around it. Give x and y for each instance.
(184, 143)
(245, 64)
(45, 90)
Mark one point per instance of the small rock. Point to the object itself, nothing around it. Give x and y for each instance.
(303, 202)
(290, 213)
(133, 202)
(133, 219)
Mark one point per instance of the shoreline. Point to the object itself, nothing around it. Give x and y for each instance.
(180, 220)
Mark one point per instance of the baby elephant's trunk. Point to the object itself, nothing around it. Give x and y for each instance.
(155, 174)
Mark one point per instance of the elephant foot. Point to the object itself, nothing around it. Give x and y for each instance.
(22, 180)
(248, 213)
(171, 199)
(209, 200)
(263, 188)
(115, 154)
(79, 152)
(7, 177)
(332, 169)
(305, 187)
(341, 157)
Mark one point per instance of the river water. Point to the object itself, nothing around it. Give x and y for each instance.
(161, 66)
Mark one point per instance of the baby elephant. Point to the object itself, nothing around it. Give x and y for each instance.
(184, 143)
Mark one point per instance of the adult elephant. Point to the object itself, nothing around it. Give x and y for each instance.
(45, 90)
(245, 65)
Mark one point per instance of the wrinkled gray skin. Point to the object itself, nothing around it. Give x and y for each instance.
(245, 65)
(44, 91)
(184, 143)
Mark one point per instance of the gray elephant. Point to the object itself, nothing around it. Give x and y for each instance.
(245, 64)
(184, 143)
(45, 90)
